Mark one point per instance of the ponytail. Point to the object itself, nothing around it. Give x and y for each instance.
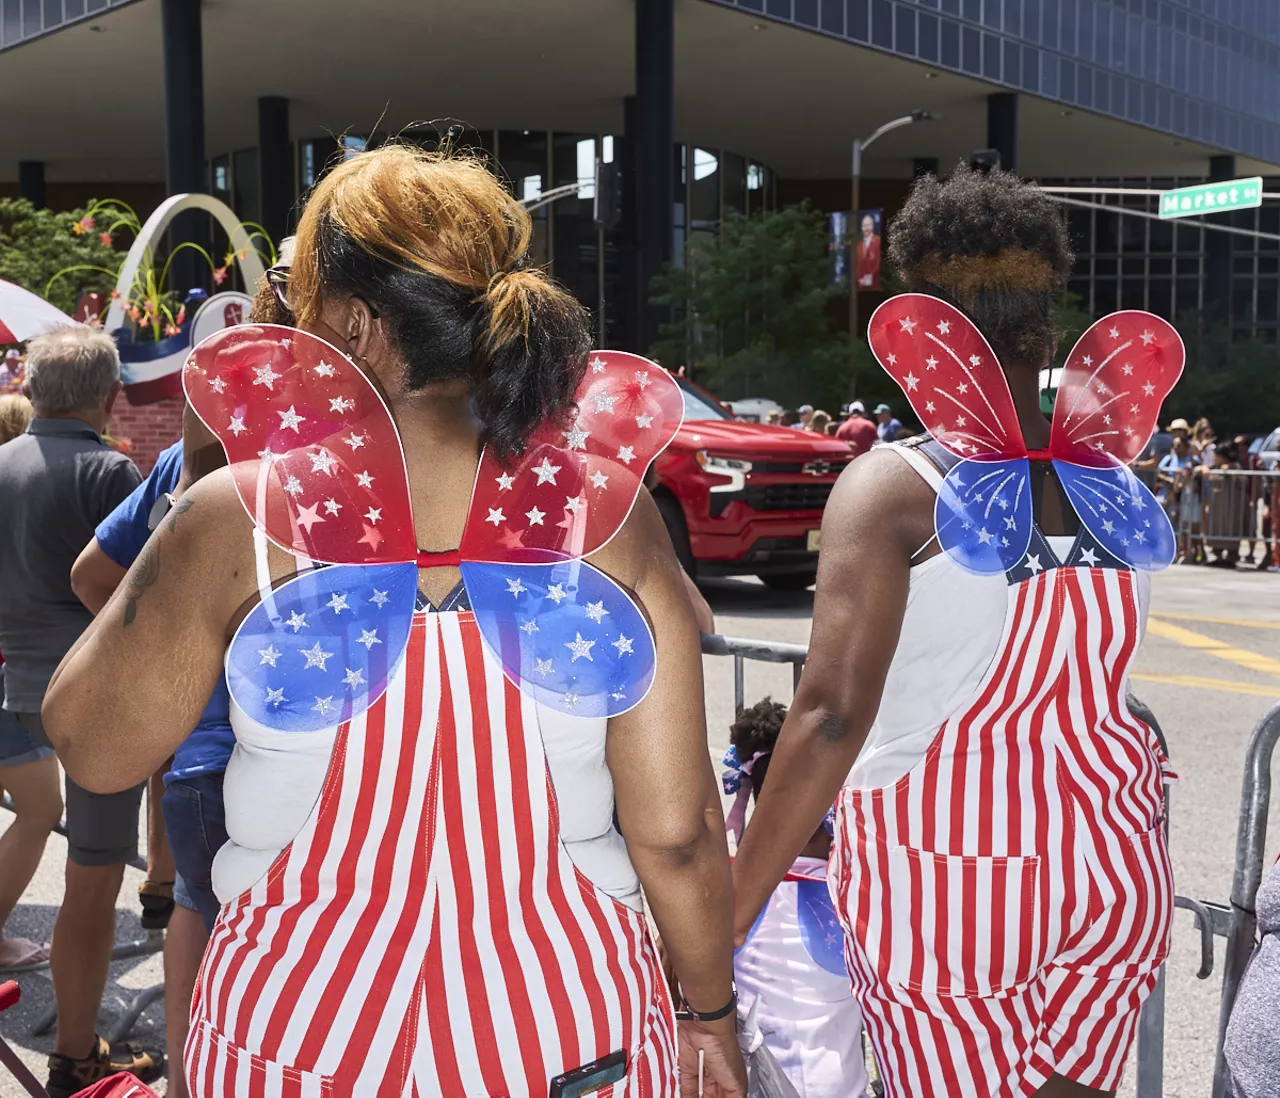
(437, 246)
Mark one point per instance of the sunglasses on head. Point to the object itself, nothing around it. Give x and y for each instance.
(278, 280)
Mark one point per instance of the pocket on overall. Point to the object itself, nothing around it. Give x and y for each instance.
(963, 926)
(216, 1066)
(1151, 873)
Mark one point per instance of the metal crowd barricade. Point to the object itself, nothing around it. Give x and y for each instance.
(1150, 1044)
(1238, 505)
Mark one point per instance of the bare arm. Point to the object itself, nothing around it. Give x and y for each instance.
(667, 802)
(95, 576)
(877, 516)
(135, 683)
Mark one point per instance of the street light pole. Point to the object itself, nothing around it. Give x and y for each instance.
(854, 230)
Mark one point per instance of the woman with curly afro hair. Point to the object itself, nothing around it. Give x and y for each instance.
(999, 864)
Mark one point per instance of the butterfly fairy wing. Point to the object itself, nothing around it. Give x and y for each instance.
(322, 647)
(1112, 386)
(820, 929)
(1120, 512)
(565, 633)
(983, 514)
(313, 449)
(949, 374)
(575, 484)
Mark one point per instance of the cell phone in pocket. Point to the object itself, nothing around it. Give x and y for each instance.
(584, 1081)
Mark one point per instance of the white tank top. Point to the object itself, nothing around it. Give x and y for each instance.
(273, 782)
(950, 635)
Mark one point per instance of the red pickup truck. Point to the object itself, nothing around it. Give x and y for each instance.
(745, 498)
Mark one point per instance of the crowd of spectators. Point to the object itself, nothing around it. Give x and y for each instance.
(855, 425)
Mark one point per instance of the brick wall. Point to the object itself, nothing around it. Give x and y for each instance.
(151, 428)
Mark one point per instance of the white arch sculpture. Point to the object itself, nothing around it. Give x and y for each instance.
(250, 266)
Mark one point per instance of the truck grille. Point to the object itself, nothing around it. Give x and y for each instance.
(798, 496)
(795, 468)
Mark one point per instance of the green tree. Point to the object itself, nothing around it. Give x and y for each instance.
(756, 313)
(35, 244)
(1235, 382)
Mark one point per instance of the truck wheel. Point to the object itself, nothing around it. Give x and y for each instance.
(789, 581)
(669, 509)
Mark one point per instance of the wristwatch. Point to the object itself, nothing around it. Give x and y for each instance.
(162, 506)
(691, 1015)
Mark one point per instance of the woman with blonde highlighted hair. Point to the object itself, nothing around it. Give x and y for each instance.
(445, 893)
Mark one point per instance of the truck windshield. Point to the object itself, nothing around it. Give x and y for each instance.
(699, 406)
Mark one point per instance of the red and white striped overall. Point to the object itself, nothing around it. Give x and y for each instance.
(1007, 902)
(426, 932)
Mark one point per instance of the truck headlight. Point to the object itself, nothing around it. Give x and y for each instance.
(735, 470)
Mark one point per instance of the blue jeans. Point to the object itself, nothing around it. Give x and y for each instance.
(196, 823)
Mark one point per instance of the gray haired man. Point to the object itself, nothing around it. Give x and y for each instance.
(57, 482)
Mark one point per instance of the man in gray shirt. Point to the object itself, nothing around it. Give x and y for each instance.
(57, 482)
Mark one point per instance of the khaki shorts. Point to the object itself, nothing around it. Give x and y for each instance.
(102, 828)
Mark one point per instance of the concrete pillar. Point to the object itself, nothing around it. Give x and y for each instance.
(1002, 128)
(275, 165)
(31, 182)
(184, 162)
(1217, 249)
(653, 140)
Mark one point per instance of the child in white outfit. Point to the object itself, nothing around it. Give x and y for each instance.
(793, 959)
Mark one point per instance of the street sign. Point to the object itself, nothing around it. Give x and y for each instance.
(1231, 194)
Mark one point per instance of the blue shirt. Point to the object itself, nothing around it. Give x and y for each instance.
(122, 534)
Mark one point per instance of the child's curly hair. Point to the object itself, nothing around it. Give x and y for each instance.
(993, 246)
(754, 730)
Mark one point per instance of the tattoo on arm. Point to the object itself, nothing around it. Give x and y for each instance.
(180, 508)
(143, 576)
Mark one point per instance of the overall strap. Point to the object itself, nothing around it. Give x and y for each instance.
(928, 458)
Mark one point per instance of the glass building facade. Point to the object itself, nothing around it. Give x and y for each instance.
(589, 260)
(1207, 70)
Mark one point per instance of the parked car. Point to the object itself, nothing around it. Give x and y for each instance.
(745, 498)
(754, 409)
(1266, 452)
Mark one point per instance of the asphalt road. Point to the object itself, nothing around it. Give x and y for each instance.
(1209, 668)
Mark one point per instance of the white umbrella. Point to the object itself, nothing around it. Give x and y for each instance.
(24, 314)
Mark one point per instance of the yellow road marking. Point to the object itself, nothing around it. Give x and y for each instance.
(1254, 661)
(1198, 683)
(1243, 622)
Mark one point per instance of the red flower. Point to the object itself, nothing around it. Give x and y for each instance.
(106, 239)
(181, 318)
(83, 225)
(172, 330)
(219, 276)
(116, 295)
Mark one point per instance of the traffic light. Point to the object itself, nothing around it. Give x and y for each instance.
(607, 208)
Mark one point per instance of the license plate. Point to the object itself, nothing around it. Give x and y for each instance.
(814, 542)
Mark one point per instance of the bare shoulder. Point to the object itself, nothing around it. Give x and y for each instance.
(640, 549)
(880, 492)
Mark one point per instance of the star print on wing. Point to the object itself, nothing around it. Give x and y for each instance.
(505, 481)
(236, 426)
(267, 454)
(1127, 369)
(316, 656)
(1147, 337)
(596, 612)
(276, 697)
(218, 385)
(297, 621)
(624, 645)
(580, 648)
(324, 369)
(325, 706)
(574, 504)
(373, 514)
(644, 422)
(556, 593)
(642, 378)
(529, 627)
(604, 402)
(974, 360)
(496, 516)
(985, 536)
(1115, 333)
(944, 327)
(535, 517)
(289, 419)
(542, 667)
(893, 360)
(353, 678)
(1148, 389)
(912, 381)
(931, 363)
(323, 462)
(364, 480)
(338, 603)
(516, 587)
(379, 598)
(341, 405)
(599, 480)
(930, 406)
(908, 325)
(265, 375)
(546, 472)
(269, 654)
(354, 441)
(597, 365)
(368, 637)
(576, 438)
(626, 454)
(332, 506)
(309, 516)
(570, 700)
(293, 486)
